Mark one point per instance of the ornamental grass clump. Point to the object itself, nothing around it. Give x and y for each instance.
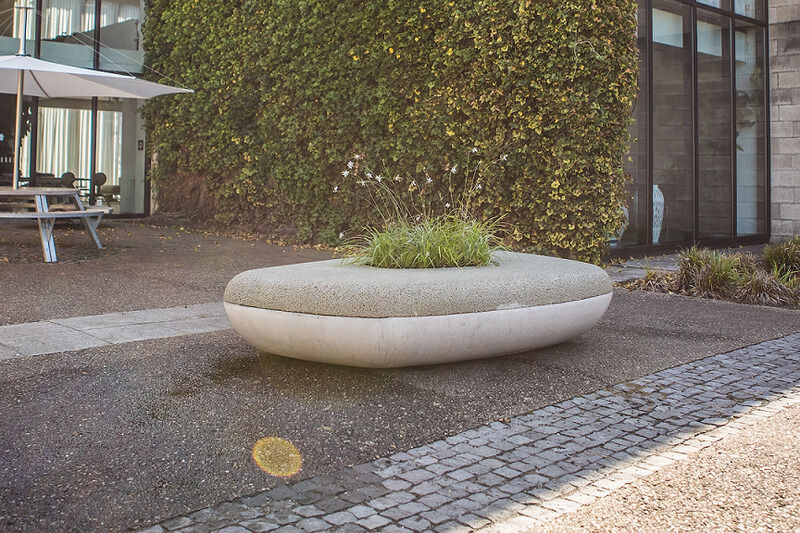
(444, 241)
(783, 257)
(707, 273)
(421, 226)
(739, 277)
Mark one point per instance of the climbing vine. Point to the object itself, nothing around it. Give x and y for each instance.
(288, 90)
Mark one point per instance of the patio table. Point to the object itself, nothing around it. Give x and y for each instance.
(46, 218)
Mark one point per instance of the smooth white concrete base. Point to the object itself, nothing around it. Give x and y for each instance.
(409, 341)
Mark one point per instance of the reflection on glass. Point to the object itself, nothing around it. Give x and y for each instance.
(673, 214)
(750, 131)
(722, 4)
(120, 23)
(636, 209)
(109, 145)
(68, 32)
(64, 142)
(750, 8)
(64, 137)
(714, 126)
(11, 22)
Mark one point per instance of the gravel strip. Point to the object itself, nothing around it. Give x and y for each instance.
(749, 481)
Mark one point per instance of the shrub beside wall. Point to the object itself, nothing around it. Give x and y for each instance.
(289, 90)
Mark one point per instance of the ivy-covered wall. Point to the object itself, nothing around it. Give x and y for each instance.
(288, 90)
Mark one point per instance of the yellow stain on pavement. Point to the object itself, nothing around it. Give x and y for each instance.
(277, 457)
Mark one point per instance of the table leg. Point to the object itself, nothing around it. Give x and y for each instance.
(91, 226)
(46, 231)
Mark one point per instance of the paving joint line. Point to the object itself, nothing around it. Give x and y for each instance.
(534, 467)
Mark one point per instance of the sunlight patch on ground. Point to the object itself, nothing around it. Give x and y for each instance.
(277, 457)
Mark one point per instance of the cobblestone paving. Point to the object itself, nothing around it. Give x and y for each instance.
(513, 475)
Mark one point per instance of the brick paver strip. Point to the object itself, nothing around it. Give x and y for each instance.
(561, 456)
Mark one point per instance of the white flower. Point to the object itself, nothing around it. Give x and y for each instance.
(349, 164)
(398, 178)
(504, 157)
(346, 173)
(447, 205)
(379, 178)
(341, 235)
(369, 175)
(414, 183)
(453, 170)
(357, 157)
(362, 183)
(479, 186)
(336, 189)
(418, 217)
(429, 180)
(474, 150)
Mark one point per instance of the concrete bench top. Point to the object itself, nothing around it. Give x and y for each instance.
(337, 288)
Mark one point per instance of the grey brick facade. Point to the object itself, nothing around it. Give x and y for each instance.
(784, 16)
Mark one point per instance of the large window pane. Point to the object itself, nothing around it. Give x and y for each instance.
(120, 37)
(11, 22)
(68, 32)
(109, 153)
(673, 213)
(714, 177)
(64, 139)
(750, 130)
(722, 4)
(636, 209)
(751, 8)
(8, 112)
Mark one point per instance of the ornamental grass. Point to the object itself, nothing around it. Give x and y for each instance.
(772, 279)
(443, 241)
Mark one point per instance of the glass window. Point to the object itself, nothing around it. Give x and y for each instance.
(635, 231)
(8, 121)
(120, 36)
(714, 188)
(11, 22)
(750, 130)
(64, 139)
(673, 138)
(750, 8)
(68, 32)
(722, 4)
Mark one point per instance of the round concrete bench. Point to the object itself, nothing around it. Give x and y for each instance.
(335, 312)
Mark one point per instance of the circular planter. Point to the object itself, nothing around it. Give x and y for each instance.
(335, 312)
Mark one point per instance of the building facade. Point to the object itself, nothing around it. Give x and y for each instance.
(82, 136)
(784, 35)
(715, 156)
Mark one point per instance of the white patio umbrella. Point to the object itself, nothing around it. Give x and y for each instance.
(43, 78)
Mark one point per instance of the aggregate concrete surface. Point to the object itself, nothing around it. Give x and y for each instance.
(515, 475)
(140, 267)
(333, 289)
(111, 437)
(120, 436)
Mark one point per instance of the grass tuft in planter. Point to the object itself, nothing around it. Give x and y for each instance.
(422, 227)
(443, 241)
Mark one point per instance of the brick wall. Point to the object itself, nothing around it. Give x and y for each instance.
(785, 113)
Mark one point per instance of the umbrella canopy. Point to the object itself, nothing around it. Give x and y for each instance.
(35, 77)
(53, 80)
